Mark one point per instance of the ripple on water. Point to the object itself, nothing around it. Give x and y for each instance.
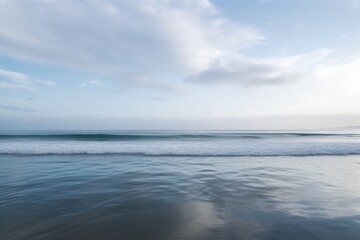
(132, 197)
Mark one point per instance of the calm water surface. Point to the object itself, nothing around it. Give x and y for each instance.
(160, 197)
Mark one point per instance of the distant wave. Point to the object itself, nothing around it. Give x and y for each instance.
(182, 148)
(134, 137)
(189, 155)
(171, 143)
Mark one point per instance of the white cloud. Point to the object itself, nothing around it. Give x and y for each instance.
(91, 82)
(95, 82)
(14, 80)
(134, 43)
(17, 80)
(302, 61)
(341, 82)
(47, 83)
(122, 37)
(13, 75)
(236, 70)
(335, 87)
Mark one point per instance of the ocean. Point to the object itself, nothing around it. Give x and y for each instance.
(111, 185)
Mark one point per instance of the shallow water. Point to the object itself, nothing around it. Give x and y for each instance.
(162, 197)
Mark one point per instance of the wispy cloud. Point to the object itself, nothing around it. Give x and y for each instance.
(190, 39)
(235, 69)
(338, 86)
(92, 82)
(96, 82)
(16, 109)
(13, 75)
(147, 38)
(47, 83)
(246, 73)
(17, 80)
(14, 80)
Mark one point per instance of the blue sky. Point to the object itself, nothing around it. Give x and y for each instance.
(179, 64)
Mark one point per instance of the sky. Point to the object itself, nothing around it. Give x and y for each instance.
(190, 64)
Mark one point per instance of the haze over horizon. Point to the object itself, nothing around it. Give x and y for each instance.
(259, 64)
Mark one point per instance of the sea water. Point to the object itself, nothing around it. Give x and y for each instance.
(179, 185)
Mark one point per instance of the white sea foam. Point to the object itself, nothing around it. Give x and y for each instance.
(183, 148)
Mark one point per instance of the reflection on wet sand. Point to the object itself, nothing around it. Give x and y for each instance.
(119, 197)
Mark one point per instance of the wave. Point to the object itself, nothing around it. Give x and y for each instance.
(134, 137)
(186, 155)
(142, 154)
(186, 149)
